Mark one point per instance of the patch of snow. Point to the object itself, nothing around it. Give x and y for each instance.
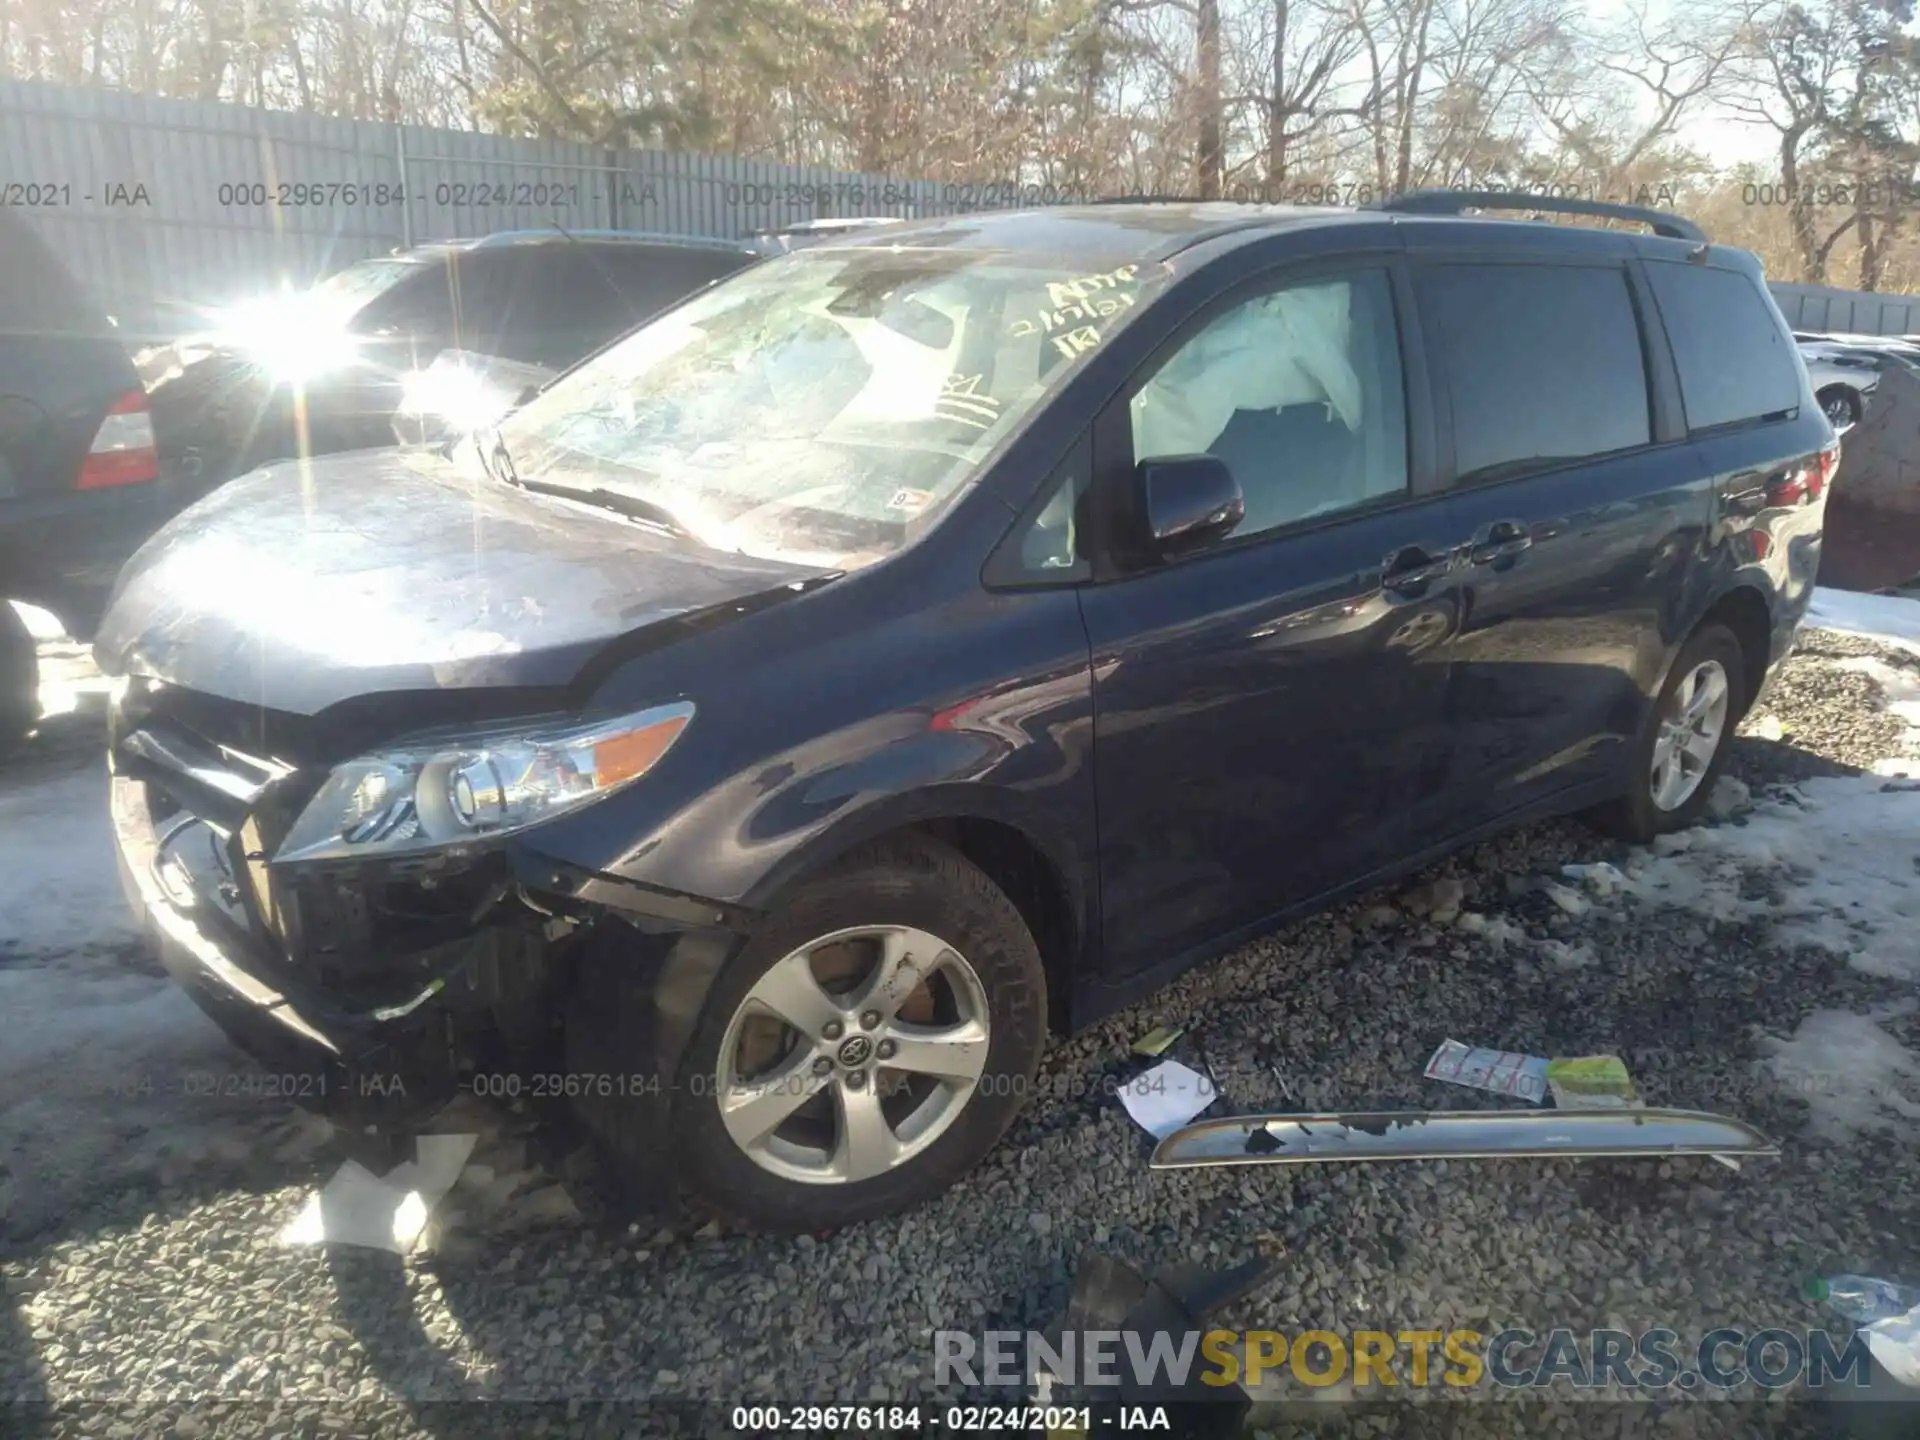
(1891, 619)
(1842, 855)
(1900, 689)
(1730, 797)
(1571, 901)
(1495, 928)
(1563, 956)
(1602, 878)
(103, 1073)
(59, 885)
(1856, 1077)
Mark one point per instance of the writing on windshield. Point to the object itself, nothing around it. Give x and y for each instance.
(818, 405)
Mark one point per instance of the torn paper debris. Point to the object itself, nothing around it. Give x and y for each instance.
(1504, 1072)
(1166, 1097)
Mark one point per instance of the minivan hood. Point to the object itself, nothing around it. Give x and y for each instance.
(298, 586)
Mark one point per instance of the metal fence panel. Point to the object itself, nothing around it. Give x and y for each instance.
(167, 206)
(1855, 312)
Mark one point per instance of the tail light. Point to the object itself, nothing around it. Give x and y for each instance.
(1820, 474)
(123, 451)
(1806, 482)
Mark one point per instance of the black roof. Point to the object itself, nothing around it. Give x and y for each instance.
(517, 239)
(1146, 231)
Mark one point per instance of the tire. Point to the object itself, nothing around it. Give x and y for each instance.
(1843, 407)
(894, 887)
(1638, 816)
(19, 680)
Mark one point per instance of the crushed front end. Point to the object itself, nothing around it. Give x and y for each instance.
(373, 990)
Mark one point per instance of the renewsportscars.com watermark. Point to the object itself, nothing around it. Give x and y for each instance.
(1656, 1359)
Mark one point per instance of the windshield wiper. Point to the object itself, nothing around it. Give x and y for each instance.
(498, 463)
(491, 446)
(618, 501)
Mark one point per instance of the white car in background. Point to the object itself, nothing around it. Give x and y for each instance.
(1845, 370)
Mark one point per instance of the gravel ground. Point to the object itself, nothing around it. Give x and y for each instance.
(173, 1287)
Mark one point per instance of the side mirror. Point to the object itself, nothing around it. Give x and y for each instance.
(1189, 501)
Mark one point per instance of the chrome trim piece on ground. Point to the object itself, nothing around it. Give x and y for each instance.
(1456, 1135)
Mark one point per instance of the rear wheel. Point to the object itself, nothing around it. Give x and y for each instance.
(1684, 744)
(19, 679)
(867, 1048)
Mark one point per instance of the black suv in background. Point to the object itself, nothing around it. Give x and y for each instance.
(330, 368)
(942, 635)
(79, 475)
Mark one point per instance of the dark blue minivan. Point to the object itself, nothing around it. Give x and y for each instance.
(940, 635)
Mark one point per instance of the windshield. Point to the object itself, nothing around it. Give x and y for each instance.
(825, 406)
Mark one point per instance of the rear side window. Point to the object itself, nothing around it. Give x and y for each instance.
(419, 303)
(1543, 363)
(1735, 361)
(651, 279)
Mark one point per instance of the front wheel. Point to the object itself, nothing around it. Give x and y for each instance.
(19, 679)
(1685, 742)
(867, 1048)
(1843, 407)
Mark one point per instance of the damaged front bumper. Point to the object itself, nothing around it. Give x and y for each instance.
(381, 1067)
(363, 1012)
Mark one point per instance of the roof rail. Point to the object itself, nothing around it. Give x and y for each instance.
(1452, 202)
(652, 237)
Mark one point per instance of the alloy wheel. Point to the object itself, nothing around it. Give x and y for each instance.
(1692, 724)
(853, 1054)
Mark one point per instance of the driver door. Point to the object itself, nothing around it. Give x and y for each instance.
(1268, 710)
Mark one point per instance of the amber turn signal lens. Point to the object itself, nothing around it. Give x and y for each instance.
(625, 757)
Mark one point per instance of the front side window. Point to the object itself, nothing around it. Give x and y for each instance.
(826, 406)
(1543, 364)
(1299, 390)
(350, 290)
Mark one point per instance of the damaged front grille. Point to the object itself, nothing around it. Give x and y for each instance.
(365, 931)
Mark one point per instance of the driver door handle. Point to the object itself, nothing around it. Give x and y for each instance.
(1410, 569)
(1502, 539)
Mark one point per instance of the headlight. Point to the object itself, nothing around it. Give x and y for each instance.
(436, 792)
(453, 394)
(299, 357)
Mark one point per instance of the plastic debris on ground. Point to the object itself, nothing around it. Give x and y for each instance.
(1887, 1314)
(1158, 1041)
(1863, 1298)
(1591, 1082)
(382, 1212)
(1895, 1343)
